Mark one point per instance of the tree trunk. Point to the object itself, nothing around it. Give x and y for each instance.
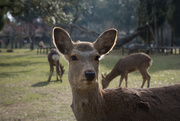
(31, 43)
(16, 46)
(156, 33)
(172, 40)
(139, 30)
(162, 39)
(12, 43)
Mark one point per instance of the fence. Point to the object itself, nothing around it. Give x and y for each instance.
(165, 50)
(44, 50)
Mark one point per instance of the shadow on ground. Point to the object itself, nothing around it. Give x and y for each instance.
(42, 84)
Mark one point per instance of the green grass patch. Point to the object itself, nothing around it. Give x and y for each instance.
(26, 94)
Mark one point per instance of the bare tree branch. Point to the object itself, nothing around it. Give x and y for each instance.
(120, 42)
(139, 30)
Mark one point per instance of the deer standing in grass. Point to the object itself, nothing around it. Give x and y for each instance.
(133, 62)
(53, 58)
(91, 103)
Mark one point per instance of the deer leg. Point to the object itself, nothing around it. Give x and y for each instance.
(145, 76)
(126, 78)
(58, 72)
(50, 74)
(144, 80)
(56, 75)
(121, 79)
(148, 78)
(62, 71)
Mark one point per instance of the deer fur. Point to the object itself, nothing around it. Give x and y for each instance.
(53, 58)
(128, 64)
(91, 103)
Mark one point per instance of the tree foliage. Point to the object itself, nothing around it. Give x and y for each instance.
(120, 14)
(149, 9)
(156, 13)
(49, 10)
(93, 17)
(81, 12)
(32, 14)
(173, 16)
(152, 12)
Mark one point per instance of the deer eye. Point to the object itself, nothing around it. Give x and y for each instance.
(97, 58)
(74, 58)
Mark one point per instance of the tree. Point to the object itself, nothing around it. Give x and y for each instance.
(104, 14)
(2, 23)
(173, 16)
(30, 11)
(149, 10)
(89, 17)
(11, 6)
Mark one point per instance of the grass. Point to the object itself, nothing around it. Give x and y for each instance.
(24, 90)
(25, 93)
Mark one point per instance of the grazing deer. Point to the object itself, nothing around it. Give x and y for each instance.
(133, 62)
(53, 58)
(91, 103)
(41, 44)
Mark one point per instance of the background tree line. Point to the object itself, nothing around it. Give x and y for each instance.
(33, 20)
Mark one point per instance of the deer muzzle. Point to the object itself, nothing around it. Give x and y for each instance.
(90, 75)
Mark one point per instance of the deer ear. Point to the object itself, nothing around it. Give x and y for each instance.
(102, 76)
(106, 41)
(62, 40)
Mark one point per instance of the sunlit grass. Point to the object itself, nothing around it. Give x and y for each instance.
(26, 94)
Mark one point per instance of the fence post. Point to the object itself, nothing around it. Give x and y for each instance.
(40, 50)
(151, 50)
(122, 50)
(171, 51)
(43, 50)
(47, 50)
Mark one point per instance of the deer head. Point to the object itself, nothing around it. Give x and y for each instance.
(104, 83)
(83, 57)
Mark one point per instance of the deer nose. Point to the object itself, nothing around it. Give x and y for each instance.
(90, 75)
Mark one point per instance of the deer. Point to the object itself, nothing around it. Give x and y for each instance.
(128, 64)
(54, 60)
(41, 44)
(91, 103)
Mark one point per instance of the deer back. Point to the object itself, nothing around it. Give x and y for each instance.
(133, 62)
(161, 103)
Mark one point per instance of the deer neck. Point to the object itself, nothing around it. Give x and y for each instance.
(113, 74)
(86, 96)
(86, 101)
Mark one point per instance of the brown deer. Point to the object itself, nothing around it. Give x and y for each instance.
(41, 44)
(91, 103)
(53, 58)
(128, 64)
